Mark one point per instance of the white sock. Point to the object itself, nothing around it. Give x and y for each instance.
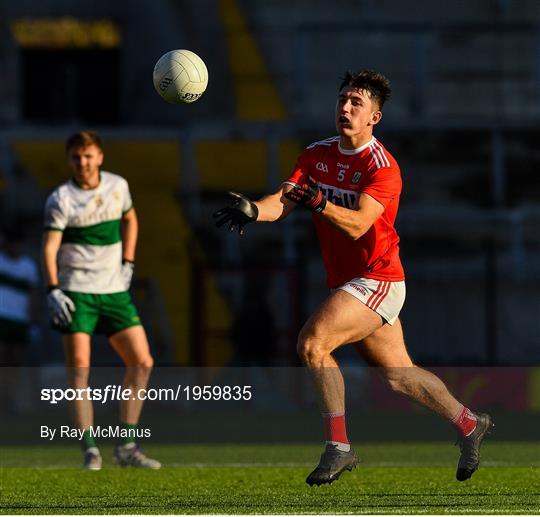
(93, 450)
(344, 447)
(128, 446)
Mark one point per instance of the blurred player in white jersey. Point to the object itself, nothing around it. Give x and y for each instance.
(19, 279)
(88, 260)
(352, 185)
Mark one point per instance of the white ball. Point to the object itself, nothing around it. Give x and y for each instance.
(180, 76)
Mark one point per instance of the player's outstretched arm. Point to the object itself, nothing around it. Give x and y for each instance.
(243, 211)
(276, 206)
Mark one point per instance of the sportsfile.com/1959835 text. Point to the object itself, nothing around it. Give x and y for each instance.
(115, 392)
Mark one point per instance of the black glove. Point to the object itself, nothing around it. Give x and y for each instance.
(308, 195)
(239, 213)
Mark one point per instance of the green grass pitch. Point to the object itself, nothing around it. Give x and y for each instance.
(244, 479)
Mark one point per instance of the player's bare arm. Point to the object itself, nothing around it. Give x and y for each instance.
(49, 252)
(354, 223)
(276, 206)
(130, 231)
(243, 211)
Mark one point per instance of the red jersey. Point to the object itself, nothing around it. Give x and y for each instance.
(342, 176)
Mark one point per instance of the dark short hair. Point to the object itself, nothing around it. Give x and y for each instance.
(377, 85)
(84, 139)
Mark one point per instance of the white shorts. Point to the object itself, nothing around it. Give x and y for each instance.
(385, 298)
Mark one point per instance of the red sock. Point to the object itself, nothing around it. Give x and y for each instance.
(335, 428)
(465, 421)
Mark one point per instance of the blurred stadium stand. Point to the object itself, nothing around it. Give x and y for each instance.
(463, 123)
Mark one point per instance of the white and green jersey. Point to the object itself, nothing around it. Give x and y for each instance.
(90, 257)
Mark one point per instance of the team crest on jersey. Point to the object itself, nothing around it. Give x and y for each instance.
(356, 177)
(321, 167)
(98, 200)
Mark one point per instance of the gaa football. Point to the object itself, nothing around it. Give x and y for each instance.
(180, 76)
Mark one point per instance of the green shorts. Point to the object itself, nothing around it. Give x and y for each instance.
(101, 313)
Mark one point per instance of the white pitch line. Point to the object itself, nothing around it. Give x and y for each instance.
(201, 465)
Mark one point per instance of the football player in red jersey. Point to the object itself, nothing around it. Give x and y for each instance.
(352, 185)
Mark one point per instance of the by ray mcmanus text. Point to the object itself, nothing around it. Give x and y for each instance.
(110, 431)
